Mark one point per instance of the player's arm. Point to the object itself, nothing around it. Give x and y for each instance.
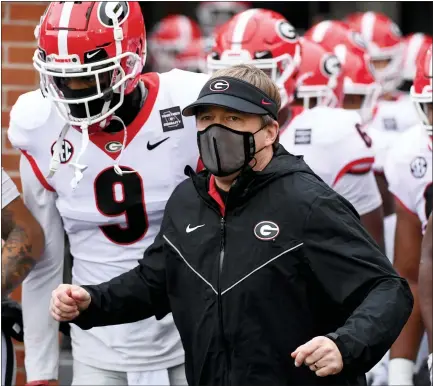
(23, 244)
(425, 281)
(404, 351)
(40, 330)
(361, 190)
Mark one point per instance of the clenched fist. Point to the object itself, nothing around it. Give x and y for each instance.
(321, 354)
(67, 301)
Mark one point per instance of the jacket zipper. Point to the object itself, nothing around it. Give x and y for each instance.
(219, 297)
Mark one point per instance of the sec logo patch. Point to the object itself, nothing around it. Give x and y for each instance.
(66, 151)
(418, 167)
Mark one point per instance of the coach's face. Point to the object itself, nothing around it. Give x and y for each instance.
(238, 121)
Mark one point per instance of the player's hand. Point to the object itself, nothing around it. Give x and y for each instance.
(321, 354)
(67, 301)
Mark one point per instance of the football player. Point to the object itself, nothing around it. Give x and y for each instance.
(394, 112)
(265, 39)
(349, 170)
(425, 287)
(177, 42)
(22, 246)
(114, 145)
(413, 44)
(212, 14)
(408, 170)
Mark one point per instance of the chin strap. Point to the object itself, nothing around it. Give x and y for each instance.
(78, 169)
(55, 160)
(116, 166)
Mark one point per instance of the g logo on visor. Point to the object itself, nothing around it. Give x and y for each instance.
(219, 85)
(107, 11)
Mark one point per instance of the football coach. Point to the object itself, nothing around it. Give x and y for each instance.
(270, 276)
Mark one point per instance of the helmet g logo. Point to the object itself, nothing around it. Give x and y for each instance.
(219, 85)
(117, 10)
(331, 65)
(266, 230)
(286, 31)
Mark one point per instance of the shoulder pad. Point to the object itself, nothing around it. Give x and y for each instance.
(331, 125)
(30, 112)
(183, 86)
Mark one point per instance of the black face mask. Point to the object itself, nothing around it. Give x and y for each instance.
(78, 110)
(225, 151)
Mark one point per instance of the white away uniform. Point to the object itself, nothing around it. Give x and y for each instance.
(408, 169)
(9, 193)
(391, 118)
(110, 220)
(336, 150)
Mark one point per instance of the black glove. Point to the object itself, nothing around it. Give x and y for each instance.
(12, 319)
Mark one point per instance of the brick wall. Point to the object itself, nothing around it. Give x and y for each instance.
(18, 76)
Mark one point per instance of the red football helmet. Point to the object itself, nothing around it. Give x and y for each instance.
(413, 45)
(176, 42)
(320, 76)
(421, 91)
(211, 14)
(264, 39)
(101, 44)
(385, 46)
(358, 72)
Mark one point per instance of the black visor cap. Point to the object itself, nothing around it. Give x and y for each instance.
(235, 94)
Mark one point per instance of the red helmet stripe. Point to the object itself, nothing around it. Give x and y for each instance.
(62, 39)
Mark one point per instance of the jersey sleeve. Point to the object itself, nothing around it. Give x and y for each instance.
(361, 191)
(9, 190)
(40, 329)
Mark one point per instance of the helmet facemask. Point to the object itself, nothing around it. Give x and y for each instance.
(86, 105)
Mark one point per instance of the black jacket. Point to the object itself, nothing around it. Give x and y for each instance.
(242, 304)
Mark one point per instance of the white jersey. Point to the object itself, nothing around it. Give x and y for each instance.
(408, 170)
(9, 190)
(391, 118)
(335, 148)
(110, 219)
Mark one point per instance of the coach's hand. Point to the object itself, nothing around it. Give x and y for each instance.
(67, 301)
(321, 354)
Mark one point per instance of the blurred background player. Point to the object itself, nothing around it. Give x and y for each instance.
(266, 40)
(426, 287)
(176, 42)
(250, 38)
(408, 170)
(361, 89)
(22, 246)
(394, 112)
(328, 133)
(98, 129)
(213, 14)
(414, 43)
